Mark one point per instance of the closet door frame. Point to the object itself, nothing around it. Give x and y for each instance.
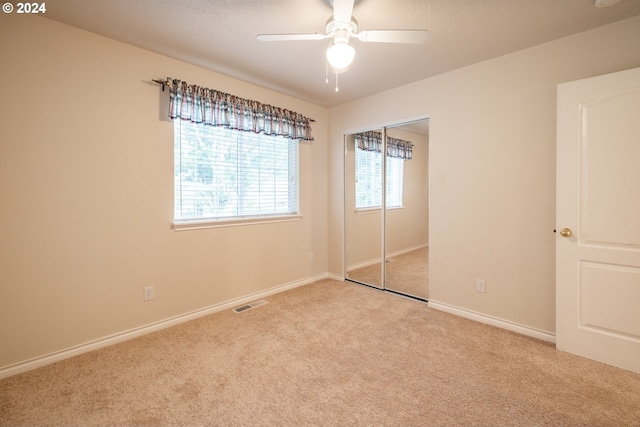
(383, 207)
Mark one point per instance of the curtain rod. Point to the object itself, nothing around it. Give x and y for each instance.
(161, 82)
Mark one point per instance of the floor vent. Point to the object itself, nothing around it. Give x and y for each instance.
(249, 306)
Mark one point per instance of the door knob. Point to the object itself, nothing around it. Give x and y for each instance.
(566, 232)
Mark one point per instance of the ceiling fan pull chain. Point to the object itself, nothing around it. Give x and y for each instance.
(337, 82)
(326, 71)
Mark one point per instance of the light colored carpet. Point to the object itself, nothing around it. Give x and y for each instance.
(407, 273)
(325, 354)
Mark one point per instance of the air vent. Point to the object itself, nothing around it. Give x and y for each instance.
(249, 306)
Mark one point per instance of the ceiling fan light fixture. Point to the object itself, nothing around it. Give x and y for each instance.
(340, 55)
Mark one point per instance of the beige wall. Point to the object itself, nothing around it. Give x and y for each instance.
(86, 186)
(492, 169)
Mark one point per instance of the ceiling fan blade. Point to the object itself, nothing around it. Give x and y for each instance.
(393, 36)
(287, 37)
(342, 10)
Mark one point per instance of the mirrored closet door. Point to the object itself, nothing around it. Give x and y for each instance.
(399, 233)
(363, 216)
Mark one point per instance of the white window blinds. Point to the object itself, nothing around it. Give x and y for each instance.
(221, 173)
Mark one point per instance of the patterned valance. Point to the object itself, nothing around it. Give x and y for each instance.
(215, 108)
(372, 141)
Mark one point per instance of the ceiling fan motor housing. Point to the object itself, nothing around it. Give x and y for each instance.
(339, 30)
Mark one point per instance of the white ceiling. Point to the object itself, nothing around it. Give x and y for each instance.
(220, 35)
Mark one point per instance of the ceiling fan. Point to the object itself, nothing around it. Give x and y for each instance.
(340, 28)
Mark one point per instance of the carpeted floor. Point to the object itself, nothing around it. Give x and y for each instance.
(326, 354)
(407, 273)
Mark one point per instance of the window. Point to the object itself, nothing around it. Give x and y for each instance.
(369, 180)
(220, 173)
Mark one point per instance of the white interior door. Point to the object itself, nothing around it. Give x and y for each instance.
(598, 219)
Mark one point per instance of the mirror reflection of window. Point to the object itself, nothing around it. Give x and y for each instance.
(368, 165)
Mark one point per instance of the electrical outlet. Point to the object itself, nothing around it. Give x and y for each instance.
(312, 257)
(481, 285)
(148, 293)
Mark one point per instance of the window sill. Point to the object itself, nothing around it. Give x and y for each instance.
(234, 222)
(365, 211)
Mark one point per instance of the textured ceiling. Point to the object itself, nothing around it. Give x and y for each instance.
(220, 35)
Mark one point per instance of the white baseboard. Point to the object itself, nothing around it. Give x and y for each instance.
(373, 261)
(494, 321)
(56, 356)
(363, 264)
(406, 250)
